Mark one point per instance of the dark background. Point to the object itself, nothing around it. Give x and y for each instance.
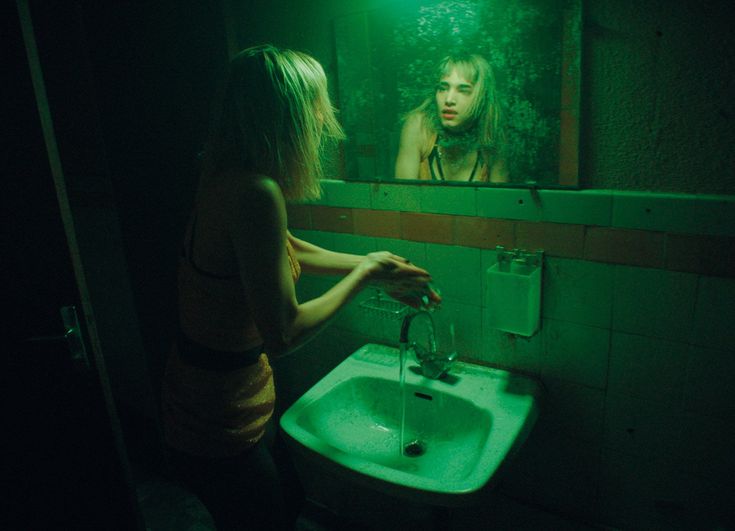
(129, 86)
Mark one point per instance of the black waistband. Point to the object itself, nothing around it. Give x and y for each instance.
(216, 360)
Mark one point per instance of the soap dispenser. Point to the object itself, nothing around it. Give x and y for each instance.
(513, 291)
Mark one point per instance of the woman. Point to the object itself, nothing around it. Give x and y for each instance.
(454, 135)
(237, 303)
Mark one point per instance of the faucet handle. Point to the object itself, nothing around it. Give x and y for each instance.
(433, 365)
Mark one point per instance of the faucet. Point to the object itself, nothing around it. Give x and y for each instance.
(433, 364)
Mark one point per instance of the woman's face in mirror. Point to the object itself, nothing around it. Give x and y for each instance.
(454, 97)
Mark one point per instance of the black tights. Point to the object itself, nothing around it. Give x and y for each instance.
(257, 489)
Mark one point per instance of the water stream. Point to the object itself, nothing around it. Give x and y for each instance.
(402, 386)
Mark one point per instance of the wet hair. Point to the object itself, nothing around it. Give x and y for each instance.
(484, 132)
(272, 117)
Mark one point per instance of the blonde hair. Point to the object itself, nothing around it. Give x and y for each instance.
(485, 132)
(272, 117)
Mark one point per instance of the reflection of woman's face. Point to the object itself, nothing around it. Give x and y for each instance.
(454, 96)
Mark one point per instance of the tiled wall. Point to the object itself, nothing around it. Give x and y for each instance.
(635, 348)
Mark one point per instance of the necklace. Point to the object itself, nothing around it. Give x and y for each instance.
(454, 164)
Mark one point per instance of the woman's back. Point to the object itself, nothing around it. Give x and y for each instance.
(213, 307)
(218, 388)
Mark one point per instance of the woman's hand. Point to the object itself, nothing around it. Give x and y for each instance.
(401, 279)
(423, 300)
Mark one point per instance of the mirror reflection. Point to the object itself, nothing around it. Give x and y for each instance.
(482, 92)
(455, 135)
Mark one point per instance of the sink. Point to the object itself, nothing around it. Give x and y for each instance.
(459, 431)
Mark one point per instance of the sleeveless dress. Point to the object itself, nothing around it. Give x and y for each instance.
(430, 167)
(216, 399)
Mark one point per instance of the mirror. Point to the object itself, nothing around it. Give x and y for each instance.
(387, 65)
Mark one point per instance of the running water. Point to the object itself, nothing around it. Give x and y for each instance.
(437, 359)
(402, 387)
(403, 357)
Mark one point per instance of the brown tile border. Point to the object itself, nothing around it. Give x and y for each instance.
(299, 216)
(432, 228)
(556, 239)
(332, 219)
(624, 246)
(380, 223)
(706, 255)
(485, 233)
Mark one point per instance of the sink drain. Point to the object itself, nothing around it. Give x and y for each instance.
(414, 449)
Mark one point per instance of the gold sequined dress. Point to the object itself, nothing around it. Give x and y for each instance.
(216, 412)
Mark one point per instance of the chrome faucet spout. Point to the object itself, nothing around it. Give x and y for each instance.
(433, 364)
(406, 325)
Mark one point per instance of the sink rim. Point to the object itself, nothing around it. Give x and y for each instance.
(482, 384)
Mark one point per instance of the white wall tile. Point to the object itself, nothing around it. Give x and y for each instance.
(648, 368)
(353, 243)
(714, 315)
(401, 197)
(320, 238)
(448, 200)
(309, 286)
(509, 203)
(413, 251)
(625, 500)
(652, 492)
(658, 212)
(584, 207)
(575, 353)
(557, 472)
(706, 448)
(685, 213)
(578, 291)
(467, 322)
(709, 388)
(532, 348)
(499, 348)
(653, 302)
(356, 319)
(346, 194)
(456, 272)
(641, 427)
(714, 215)
(488, 258)
(572, 410)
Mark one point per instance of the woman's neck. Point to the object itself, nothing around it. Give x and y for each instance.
(455, 152)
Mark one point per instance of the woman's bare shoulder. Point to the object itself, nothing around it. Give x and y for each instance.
(415, 122)
(257, 198)
(417, 133)
(237, 187)
(237, 196)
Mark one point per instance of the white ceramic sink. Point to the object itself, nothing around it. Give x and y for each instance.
(467, 424)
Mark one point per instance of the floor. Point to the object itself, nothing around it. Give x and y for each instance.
(168, 507)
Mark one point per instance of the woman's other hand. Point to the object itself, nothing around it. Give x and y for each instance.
(426, 299)
(401, 279)
(383, 266)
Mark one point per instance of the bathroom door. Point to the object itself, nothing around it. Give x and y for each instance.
(66, 467)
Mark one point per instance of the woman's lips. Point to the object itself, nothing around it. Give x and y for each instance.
(449, 114)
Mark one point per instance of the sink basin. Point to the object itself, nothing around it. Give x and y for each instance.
(458, 430)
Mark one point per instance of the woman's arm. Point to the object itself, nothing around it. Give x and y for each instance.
(258, 232)
(319, 261)
(408, 160)
(498, 172)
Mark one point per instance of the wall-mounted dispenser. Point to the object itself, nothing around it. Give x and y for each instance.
(513, 291)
